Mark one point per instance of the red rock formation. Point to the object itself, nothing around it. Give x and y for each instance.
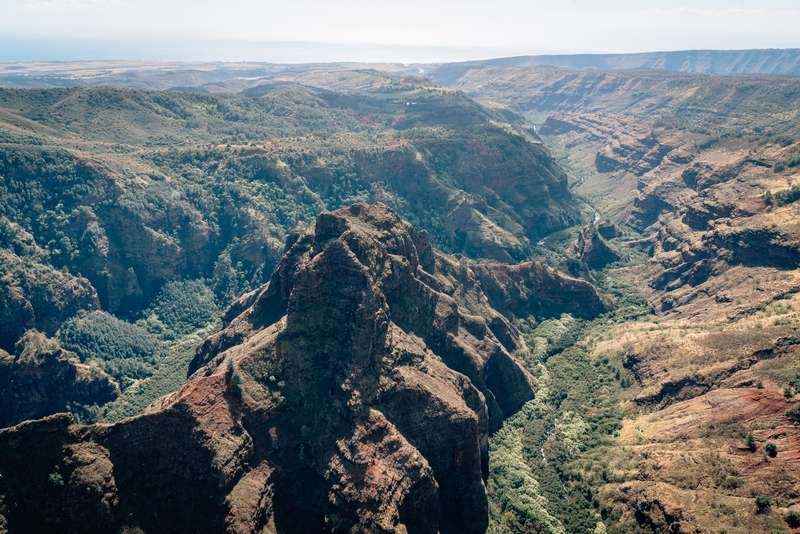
(347, 395)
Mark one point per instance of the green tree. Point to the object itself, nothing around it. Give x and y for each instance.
(771, 449)
(122, 349)
(792, 518)
(762, 503)
(750, 441)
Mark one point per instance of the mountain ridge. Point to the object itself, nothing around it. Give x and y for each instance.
(352, 394)
(214, 77)
(746, 61)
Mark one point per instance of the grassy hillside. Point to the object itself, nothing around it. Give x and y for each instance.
(697, 175)
(759, 104)
(127, 192)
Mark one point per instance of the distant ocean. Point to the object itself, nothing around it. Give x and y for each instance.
(32, 48)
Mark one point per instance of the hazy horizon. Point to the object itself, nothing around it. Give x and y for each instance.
(286, 52)
(357, 30)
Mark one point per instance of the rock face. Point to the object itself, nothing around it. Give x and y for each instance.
(42, 378)
(608, 230)
(532, 289)
(593, 250)
(33, 295)
(706, 209)
(353, 393)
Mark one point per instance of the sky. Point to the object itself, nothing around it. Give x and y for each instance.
(383, 30)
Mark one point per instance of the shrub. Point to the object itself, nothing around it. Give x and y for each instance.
(792, 518)
(55, 479)
(787, 163)
(750, 441)
(785, 196)
(762, 503)
(793, 412)
(732, 481)
(771, 449)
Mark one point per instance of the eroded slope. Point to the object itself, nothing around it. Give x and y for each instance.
(354, 392)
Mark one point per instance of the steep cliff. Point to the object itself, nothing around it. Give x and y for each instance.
(41, 378)
(354, 392)
(36, 296)
(593, 250)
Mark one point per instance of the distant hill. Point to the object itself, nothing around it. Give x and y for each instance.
(770, 61)
(748, 102)
(215, 77)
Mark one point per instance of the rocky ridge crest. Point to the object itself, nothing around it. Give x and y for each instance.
(354, 392)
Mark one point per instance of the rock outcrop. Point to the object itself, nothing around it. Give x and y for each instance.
(532, 289)
(354, 392)
(608, 230)
(593, 250)
(33, 295)
(41, 378)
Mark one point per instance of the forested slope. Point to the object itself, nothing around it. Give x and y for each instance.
(119, 205)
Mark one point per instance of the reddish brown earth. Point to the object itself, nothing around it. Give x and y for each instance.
(701, 208)
(353, 393)
(694, 473)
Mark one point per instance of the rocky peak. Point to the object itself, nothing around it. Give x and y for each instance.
(593, 250)
(354, 392)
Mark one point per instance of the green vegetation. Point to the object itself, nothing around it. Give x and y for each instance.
(549, 460)
(780, 140)
(123, 350)
(168, 376)
(216, 191)
(173, 204)
(762, 503)
(787, 163)
(185, 306)
(784, 197)
(750, 441)
(792, 518)
(518, 503)
(771, 449)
